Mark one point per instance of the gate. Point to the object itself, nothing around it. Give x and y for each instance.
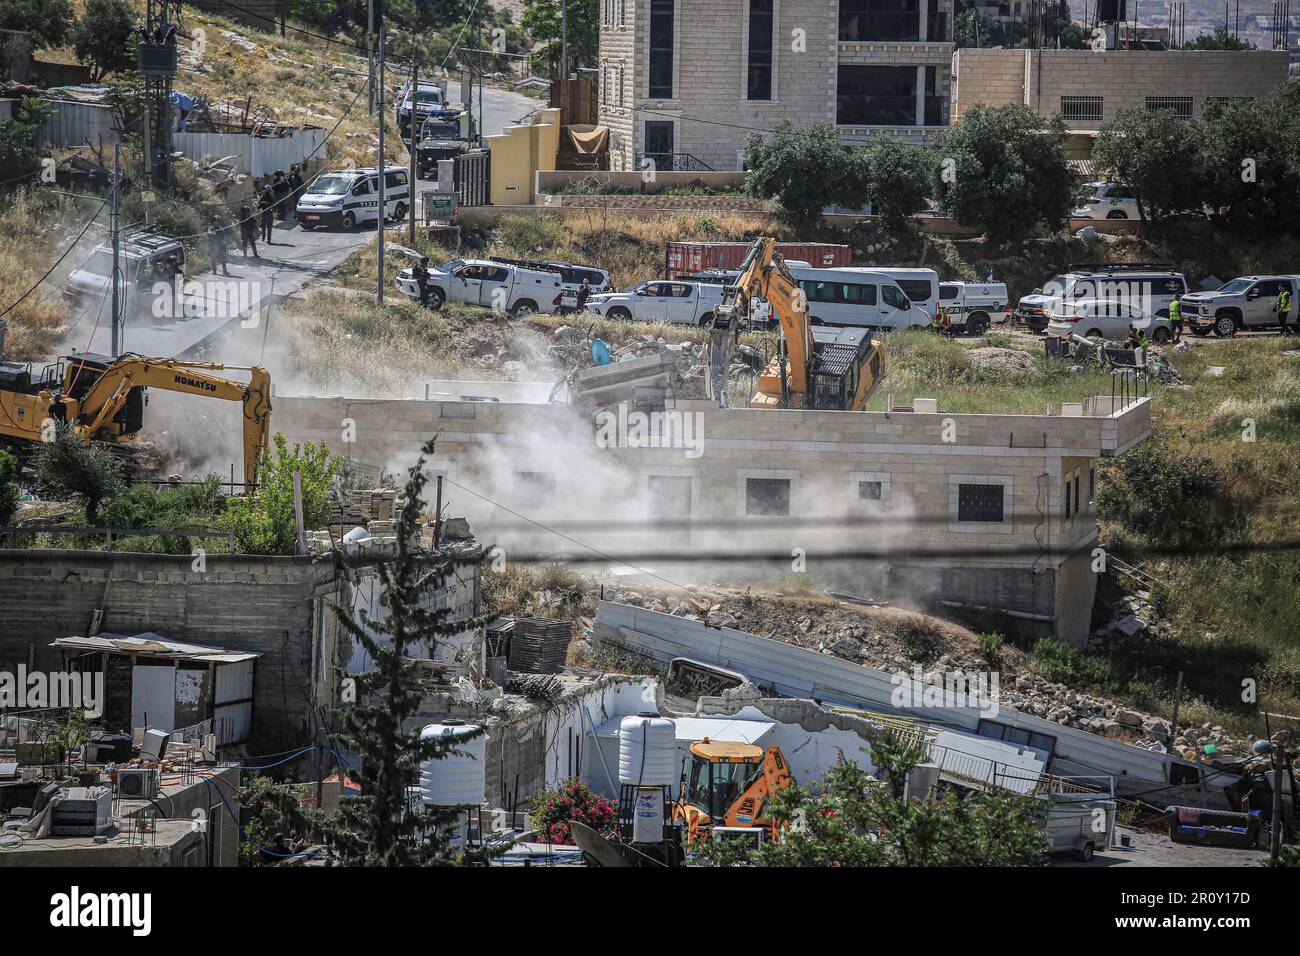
(474, 178)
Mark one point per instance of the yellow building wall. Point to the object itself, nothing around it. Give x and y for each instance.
(518, 154)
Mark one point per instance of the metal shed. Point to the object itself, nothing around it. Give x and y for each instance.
(187, 688)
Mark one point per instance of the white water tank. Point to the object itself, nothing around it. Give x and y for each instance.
(647, 751)
(456, 780)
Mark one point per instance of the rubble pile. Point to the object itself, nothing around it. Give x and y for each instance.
(895, 641)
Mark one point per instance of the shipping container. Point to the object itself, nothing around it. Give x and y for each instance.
(687, 258)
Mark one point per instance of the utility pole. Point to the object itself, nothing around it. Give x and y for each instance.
(370, 56)
(383, 165)
(117, 248)
(410, 149)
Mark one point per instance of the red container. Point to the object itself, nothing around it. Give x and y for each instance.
(685, 258)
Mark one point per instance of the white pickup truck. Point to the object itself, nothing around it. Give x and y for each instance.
(657, 300)
(1249, 302)
(493, 285)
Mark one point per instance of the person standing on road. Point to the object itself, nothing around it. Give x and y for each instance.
(247, 231)
(584, 293)
(296, 186)
(266, 203)
(217, 246)
(1176, 318)
(1284, 309)
(280, 188)
(421, 275)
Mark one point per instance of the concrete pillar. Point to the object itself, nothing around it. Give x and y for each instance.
(920, 96)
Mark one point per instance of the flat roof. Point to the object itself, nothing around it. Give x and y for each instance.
(150, 644)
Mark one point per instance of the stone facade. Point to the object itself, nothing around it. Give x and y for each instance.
(1121, 78)
(710, 113)
(838, 472)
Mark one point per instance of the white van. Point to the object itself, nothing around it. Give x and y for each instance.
(859, 297)
(921, 286)
(974, 306)
(350, 197)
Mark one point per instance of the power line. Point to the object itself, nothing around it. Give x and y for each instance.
(72, 245)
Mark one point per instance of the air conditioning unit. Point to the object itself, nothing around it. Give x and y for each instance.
(138, 783)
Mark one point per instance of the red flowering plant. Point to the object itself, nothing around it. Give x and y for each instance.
(571, 800)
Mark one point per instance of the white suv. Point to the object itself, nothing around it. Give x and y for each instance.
(1108, 201)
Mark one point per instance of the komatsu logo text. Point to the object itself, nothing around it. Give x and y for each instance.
(195, 383)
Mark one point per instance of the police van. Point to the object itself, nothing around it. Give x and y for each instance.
(974, 306)
(350, 198)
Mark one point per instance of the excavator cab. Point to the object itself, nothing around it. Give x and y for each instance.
(728, 784)
(719, 773)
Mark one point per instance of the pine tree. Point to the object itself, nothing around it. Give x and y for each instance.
(378, 828)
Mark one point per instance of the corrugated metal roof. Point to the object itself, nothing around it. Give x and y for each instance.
(150, 644)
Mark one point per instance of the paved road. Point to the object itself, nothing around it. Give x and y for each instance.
(1153, 848)
(211, 304)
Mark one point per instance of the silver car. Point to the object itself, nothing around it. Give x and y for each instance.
(1107, 319)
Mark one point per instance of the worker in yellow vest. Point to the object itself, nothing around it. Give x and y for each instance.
(1176, 318)
(1284, 309)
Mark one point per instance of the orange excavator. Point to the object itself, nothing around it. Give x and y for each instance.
(728, 785)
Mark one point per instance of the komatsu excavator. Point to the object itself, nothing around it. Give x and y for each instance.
(102, 399)
(824, 367)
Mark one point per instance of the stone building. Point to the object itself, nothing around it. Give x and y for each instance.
(993, 511)
(1088, 87)
(684, 83)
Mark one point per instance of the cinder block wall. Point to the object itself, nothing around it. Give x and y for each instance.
(240, 602)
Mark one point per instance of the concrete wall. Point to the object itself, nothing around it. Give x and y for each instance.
(240, 602)
(487, 450)
(712, 118)
(519, 153)
(1123, 78)
(554, 181)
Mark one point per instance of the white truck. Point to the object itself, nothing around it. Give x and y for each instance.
(494, 285)
(660, 300)
(974, 306)
(1248, 302)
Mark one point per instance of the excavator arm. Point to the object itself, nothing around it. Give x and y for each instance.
(764, 275)
(106, 397)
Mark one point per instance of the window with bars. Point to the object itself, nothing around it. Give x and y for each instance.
(983, 503)
(1181, 105)
(767, 496)
(1081, 107)
(759, 81)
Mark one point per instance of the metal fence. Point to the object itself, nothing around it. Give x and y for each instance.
(255, 155)
(75, 124)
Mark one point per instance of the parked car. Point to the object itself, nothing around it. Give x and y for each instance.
(145, 258)
(430, 98)
(350, 197)
(1248, 302)
(973, 307)
(1143, 285)
(1108, 201)
(1107, 319)
(657, 300)
(494, 285)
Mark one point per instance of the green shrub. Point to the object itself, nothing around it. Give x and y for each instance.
(265, 523)
(990, 645)
(1170, 497)
(1063, 664)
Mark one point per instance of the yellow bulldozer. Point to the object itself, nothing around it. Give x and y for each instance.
(102, 400)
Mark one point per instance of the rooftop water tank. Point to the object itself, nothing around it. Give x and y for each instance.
(456, 780)
(647, 751)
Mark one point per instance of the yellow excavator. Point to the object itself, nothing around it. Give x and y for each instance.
(102, 399)
(816, 366)
(728, 784)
